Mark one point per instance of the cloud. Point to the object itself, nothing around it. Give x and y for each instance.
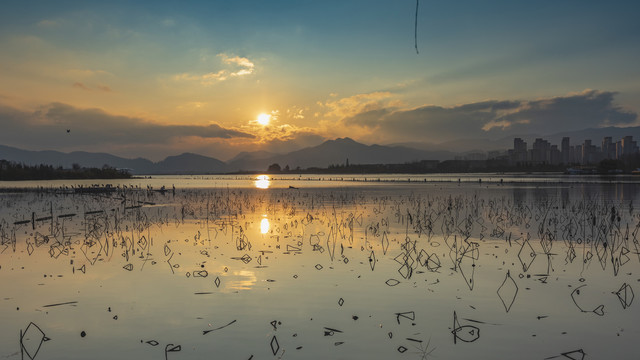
(94, 128)
(104, 88)
(296, 113)
(80, 85)
(84, 73)
(277, 133)
(239, 61)
(358, 104)
(590, 108)
(238, 67)
(46, 23)
(100, 87)
(204, 79)
(192, 105)
(225, 149)
(491, 118)
(295, 140)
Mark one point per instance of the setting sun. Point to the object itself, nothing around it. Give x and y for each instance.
(264, 119)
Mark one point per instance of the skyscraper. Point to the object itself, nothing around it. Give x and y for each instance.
(629, 146)
(566, 150)
(519, 151)
(608, 148)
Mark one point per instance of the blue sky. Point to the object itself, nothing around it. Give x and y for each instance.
(321, 69)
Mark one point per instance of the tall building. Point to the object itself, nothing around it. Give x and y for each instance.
(618, 149)
(555, 156)
(541, 152)
(519, 154)
(566, 150)
(589, 153)
(629, 146)
(608, 148)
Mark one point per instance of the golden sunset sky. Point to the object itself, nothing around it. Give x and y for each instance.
(159, 78)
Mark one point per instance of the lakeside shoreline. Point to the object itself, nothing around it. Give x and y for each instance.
(166, 183)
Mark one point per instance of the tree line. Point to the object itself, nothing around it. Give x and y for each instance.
(11, 171)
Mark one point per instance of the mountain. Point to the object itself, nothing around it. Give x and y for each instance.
(190, 163)
(250, 156)
(181, 164)
(66, 160)
(328, 153)
(331, 152)
(254, 160)
(337, 152)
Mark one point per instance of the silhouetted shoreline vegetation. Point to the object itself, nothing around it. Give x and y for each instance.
(626, 165)
(11, 171)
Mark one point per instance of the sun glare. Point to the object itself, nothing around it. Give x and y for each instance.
(262, 182)
(264, 119)
(264, 226)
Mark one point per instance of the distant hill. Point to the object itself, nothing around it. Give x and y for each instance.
(191, 164)
(337, 152)
(252, 155)
(66, 160)
(244, 159)
(181, 164)
(328, 153)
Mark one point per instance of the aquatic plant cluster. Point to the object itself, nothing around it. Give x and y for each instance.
(412, 272)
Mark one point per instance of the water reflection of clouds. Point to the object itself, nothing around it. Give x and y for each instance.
(241, 280)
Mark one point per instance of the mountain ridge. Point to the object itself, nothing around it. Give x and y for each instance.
(331, 152)
(337, 151)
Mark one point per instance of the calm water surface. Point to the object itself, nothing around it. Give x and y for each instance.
(237, 268)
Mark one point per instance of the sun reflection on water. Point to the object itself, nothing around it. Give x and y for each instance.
(264, 226)
(262, 182)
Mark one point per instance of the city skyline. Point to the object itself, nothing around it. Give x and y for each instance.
(543, 152)
(154, 79)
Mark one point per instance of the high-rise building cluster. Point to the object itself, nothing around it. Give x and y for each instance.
(542, 152)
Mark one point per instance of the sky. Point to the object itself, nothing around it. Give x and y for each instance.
(154, 78)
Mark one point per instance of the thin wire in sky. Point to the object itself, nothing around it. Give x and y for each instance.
(415, 34)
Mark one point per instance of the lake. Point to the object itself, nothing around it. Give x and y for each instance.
(454, 266)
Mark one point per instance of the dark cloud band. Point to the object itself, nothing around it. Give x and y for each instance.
(47, 127)
(495, 118)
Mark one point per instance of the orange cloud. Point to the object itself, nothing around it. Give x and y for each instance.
(356, 104)
(80, 85)
(104, 88)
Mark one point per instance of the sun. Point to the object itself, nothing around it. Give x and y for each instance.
(264, 119)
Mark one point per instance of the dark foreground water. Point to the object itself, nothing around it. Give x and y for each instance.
(236, 269)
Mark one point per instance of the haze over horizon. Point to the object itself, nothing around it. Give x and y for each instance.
(216, 78)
